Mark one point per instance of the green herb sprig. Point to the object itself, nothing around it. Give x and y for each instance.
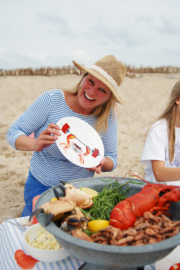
(106, 200)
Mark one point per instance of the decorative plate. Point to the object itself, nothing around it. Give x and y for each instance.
(170, 262)
(79, 142)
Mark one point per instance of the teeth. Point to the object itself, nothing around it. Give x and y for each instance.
(88, 97)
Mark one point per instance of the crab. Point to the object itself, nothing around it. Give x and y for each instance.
(71, 201)
(75, 147)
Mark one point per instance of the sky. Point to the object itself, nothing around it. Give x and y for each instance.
(42, 33)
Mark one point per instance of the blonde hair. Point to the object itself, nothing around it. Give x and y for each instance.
(102, 111)
(169, 114)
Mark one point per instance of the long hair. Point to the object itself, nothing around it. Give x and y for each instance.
(102, 111)
(169, 114)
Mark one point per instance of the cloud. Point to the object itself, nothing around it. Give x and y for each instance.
(169, 25)
(81, 56)
(4, 57)
(56, 23)
(127, 35)
(33, 59)
(11, 60)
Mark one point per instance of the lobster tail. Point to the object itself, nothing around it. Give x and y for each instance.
(122, 215)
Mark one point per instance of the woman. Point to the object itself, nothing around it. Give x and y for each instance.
(93, 100)
(161, 153)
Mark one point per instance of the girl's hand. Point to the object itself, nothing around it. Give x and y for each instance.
(47, 137)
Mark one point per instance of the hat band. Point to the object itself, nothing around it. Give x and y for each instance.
(106, 75)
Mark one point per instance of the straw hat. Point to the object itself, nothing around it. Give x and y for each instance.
(109, 71)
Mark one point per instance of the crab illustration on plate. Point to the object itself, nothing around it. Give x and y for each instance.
(76, 145)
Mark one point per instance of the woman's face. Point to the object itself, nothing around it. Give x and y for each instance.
(92, 93)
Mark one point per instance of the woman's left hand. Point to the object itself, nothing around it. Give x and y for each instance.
(105, 165)
(96, 169)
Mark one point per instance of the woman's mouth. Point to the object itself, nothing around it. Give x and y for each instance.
(87, 97)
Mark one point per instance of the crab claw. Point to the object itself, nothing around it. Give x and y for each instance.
(58, 194)
(76, 195)
(36, 212)
(71, 220)
(62, 182)
(54, 210)
(49, 218)
(67, 185)
(75, 222)
(41, 210)
(81, 235)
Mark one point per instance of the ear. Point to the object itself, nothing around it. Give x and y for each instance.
(178, 101)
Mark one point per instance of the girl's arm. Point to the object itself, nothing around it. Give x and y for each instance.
(163, 174)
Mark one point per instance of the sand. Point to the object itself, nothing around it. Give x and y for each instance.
(146, 96)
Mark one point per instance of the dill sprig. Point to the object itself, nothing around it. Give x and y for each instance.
(106, 200)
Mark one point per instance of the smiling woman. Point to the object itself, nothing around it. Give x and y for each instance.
(92, 100)
(91, 93)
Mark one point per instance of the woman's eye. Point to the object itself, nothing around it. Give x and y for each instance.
(91, 81)
(103, 90)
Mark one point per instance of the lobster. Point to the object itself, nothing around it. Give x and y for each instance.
(124, 214)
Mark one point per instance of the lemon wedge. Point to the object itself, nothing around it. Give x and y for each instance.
(91, 192)
(96, 225)
(54, 199)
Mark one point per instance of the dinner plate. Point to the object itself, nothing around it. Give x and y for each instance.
(79, 142)
(170, 260)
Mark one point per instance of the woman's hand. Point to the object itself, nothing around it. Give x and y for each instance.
(105, 165)
(47, 137)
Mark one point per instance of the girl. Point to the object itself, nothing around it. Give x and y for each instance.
(161, 153)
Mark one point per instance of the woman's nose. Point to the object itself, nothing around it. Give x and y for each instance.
(93, 90)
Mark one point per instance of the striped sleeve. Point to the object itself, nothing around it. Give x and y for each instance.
(31, 120)
(110, 140)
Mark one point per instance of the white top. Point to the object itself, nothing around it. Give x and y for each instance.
(156, 148)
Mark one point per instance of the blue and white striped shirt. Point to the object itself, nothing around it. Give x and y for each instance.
(50, 166)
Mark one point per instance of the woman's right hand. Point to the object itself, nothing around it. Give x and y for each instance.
(47, 137)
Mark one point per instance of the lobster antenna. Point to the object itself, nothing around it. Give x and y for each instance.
(134, 175)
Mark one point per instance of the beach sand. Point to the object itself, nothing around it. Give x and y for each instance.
(146, 96)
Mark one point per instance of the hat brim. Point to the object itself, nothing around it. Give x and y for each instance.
(102, 79)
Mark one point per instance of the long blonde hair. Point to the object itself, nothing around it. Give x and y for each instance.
(101, 112)
(169, 114)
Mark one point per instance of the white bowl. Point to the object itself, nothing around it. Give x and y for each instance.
(39, 254)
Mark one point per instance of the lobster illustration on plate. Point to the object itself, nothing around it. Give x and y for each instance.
(124, 214)
(77, 145)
